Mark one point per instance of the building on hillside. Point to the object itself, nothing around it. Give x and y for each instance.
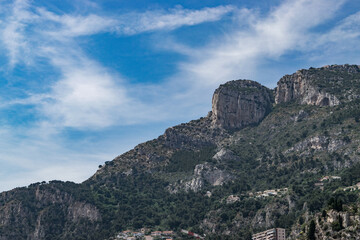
(156, 233)
(168, 233)
(271, 234)
(329, 178)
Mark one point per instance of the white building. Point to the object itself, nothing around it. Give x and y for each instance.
(271, 234)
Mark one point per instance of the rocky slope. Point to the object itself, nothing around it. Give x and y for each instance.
(253, 163)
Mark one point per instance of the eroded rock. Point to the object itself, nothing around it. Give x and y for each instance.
(240, 103)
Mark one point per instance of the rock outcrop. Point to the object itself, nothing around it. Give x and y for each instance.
(319, 86)
(203, 174)
(317, 143)
(240, 103)
(299, 87)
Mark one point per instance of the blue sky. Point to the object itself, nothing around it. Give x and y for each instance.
(84, 81)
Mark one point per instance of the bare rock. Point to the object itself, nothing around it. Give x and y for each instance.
(204, 173)
(317, 143)
(298, 87)
(240, 103)
(232, 199)
(224, 154)
(81, 210)
(321, 87)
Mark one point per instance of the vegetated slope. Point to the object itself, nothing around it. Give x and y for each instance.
(212, 175)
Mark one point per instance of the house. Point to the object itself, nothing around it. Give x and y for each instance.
(167, 233)
(327, 178)
(271, 234)
(138, 234)
(156, 233)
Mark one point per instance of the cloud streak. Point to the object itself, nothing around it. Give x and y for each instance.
(135, 23)
(129, 23)
(13, 32)
(286, 28)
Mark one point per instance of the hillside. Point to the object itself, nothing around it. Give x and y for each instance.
(254, 162)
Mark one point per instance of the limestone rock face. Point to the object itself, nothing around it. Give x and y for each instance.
(299, 86)
(240, 103)
(324, 86)
(204, 173)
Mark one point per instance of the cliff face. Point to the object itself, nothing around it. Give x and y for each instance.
(46, 211)
(298, 87)
(240, 103)
(321, 87)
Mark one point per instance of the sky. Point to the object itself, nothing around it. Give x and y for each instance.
(84, 81)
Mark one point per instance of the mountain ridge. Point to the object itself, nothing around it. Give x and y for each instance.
(204, 174)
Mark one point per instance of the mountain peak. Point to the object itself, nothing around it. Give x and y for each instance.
(240, 103)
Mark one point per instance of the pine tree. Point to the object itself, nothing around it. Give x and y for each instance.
(311, 231)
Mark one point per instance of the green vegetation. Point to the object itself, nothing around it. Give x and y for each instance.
(185, 160)
(311, 231)
(336, 82)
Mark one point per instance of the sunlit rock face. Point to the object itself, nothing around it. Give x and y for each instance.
(299, 87)
(240, 103)
(323, 86)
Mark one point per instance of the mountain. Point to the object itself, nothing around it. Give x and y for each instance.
(286, 157)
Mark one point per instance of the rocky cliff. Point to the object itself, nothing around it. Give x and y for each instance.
(46, 211)
(240, 103)
(321, 87)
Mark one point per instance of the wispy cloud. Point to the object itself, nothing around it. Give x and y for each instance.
(68, 26)
(286, 28)
(135, 23)
(347, 30)
(27, 158)
(13, 33)
(129, 23)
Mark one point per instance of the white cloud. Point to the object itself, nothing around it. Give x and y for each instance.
(347, 29)
(69, 26)
(28, 156)
(85, 98)
(238, 54)
(13, 31)
(135, 23)
(129, 23)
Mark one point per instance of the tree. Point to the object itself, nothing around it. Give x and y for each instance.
(324, 214)
(338, 224)
(336, 204)
(311, 231)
